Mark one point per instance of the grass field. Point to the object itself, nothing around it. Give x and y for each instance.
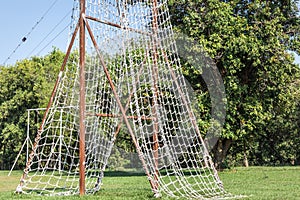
(257, 183)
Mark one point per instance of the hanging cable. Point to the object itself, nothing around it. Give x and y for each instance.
(52, 30)
(54, 38)
(24, 39)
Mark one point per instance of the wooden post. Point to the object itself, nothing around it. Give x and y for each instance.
(155, 95)
(82, 100)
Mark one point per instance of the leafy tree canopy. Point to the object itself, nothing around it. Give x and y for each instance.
(27, 84)
(251, 44)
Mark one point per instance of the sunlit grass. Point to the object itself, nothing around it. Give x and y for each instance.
(258, 183)
(264, 183)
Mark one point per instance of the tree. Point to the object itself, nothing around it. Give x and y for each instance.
(250, 42)
(27, 84)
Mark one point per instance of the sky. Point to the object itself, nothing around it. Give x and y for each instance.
(44, 23)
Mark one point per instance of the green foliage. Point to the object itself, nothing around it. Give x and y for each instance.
(251, 44)
(27, 84)
(116, 161)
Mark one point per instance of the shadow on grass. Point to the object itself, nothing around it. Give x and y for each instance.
(123, 173)
(162, 172)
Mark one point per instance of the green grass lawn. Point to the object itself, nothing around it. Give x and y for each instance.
(258, 183)
(264, 183)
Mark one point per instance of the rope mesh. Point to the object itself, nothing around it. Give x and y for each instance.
(135, 40)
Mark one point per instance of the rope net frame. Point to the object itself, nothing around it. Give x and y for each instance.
(132, 78)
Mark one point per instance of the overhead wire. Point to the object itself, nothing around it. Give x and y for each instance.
(52, 30)
(24, 39)
(54, 38)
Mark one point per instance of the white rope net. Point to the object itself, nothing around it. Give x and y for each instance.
(133, 41)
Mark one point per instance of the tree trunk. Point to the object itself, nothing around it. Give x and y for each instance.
(220, 151)
(246, 164)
